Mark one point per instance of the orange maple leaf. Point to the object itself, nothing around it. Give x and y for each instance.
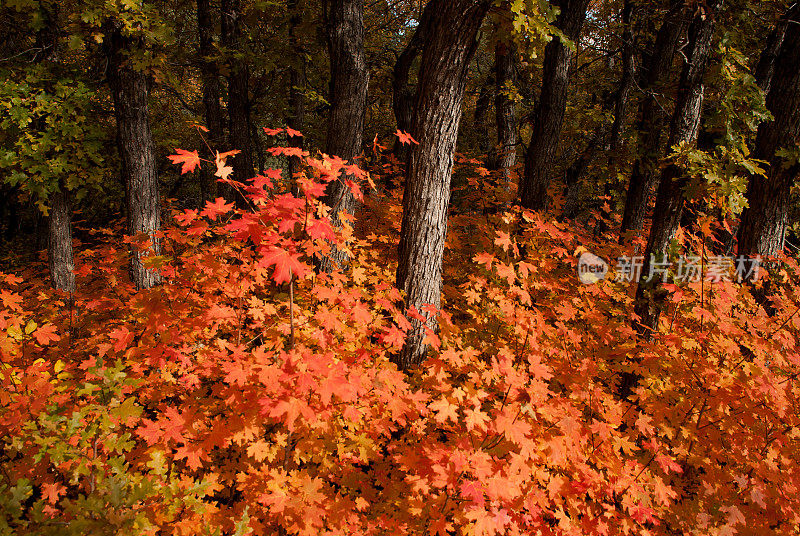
(287, 151)
(405, 138)
(259, 450)
(11, 300)
(236, 374)
(292, 133)
(503, 240)
(189, 159)
(506, 272)
(46, 334)
(444, 410)
(193, 455)
(484, 258)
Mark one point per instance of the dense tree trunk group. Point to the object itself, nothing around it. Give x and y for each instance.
(654, 73)
(683, 129)
(653, 55)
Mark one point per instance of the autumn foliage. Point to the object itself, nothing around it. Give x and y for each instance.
(248, 394)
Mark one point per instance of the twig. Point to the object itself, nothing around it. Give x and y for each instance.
(291, 312)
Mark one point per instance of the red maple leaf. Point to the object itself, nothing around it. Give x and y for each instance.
(189, 159)
(262, 181)
(393, 337)
(292, 132)
(173, 424)
(186, 217)
(150, 431)
(272, 131)
(377, 147)
(122, 338)
(286, 264)
(471, 489)
(219, 206)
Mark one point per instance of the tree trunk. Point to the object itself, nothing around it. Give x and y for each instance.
(449, 47)
(297, 84)
(59, 224)
(577, 170)
(129, 89)
(763, 226)
(541, 154)
(683, 128)
(9, 215)
(765, 67)
(59, 249)
(239, 127)
(505, 110)
(655, 70)
(481, 122)
(348, 98)
(625, 81)
(403, 93)
(211, 96)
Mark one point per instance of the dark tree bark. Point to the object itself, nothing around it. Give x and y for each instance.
(655, 70)
(626, 79)
(59, 222)
(763, 226)
(130, 89)
(765, 67)
(211, 95)
(348, 98)
(481, 120)
(59, 249)
(239, 127)
(505, 110)
(297, 84)
(9, 213)
(403, 93)
(683, 128)
(577, 170)
(549, 117)
(449, 47)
